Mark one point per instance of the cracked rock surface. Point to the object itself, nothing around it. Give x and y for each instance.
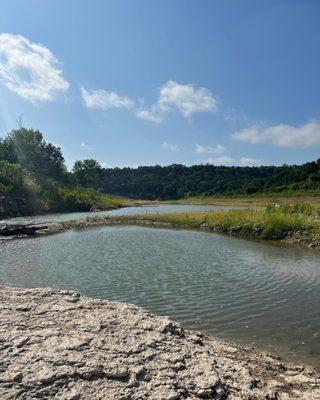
(60, 345)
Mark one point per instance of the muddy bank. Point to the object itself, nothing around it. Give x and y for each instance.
(60, 345)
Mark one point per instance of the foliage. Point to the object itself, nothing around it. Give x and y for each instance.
(12, 192)
(85, 200)
(88, 173)
(177, 181)
(38, 158)
(34, 179)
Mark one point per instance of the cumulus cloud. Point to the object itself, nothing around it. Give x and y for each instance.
(218, 149)
(249, 162)
(170, 147)
(185, 99)
(222, 160)
(29, 69)
(149, 116)
(101, 99)
(281, 135)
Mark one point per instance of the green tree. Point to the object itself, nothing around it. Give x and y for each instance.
(40, 159)
(12, 192)
(7, 152)
(88, 173)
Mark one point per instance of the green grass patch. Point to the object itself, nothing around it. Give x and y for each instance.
(255, 223)
(86, 200)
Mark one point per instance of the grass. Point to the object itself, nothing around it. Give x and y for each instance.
(87, 199)
(274, 223)
(261, 201)
(292, 223)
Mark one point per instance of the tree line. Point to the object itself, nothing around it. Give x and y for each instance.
(178, 181)
(34, 178)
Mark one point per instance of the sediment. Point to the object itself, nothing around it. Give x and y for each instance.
(60, 345)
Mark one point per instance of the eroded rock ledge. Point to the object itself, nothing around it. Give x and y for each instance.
(60, 345)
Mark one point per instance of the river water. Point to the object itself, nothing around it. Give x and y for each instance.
(253, 292)
(151, 209)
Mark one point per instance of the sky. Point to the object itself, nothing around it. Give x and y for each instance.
(145, 82)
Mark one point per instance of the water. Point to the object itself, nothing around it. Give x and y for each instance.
(236, 289)
(159, 208)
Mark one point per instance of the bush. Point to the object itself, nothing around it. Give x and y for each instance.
(12, 193)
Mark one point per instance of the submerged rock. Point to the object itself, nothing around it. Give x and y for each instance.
(59, 345)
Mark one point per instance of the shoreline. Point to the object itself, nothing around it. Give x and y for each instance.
(59, 344)
(298, 239)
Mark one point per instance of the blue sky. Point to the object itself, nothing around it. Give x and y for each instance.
(158, 82)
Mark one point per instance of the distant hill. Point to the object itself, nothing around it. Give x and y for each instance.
(34, 179)
(178, 181)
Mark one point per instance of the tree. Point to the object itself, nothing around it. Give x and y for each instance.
(7, 152)
(40, 159)
(88, 173)
(12, 193)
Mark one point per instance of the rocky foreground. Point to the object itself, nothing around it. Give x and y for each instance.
(60, 345)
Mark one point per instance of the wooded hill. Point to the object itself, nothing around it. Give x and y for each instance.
(178, 181)
(34, 179)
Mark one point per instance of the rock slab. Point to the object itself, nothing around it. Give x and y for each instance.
(60, 345)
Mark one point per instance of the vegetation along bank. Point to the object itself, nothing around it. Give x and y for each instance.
(34, 179)
(298, 224)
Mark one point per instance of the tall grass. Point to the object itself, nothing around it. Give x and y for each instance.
(261, 201)
(264, 224)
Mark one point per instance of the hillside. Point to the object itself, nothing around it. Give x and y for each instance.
(178, 181)
(34, 179)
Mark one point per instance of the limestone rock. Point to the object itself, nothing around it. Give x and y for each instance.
(63, 346)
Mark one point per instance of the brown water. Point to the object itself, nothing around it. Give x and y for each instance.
(242, 290)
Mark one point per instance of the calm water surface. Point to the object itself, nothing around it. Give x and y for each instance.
(152, 209)
(236, 289)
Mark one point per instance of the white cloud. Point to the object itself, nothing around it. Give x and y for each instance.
(102, 99)
(249, 162)
(85, 146)
(210, 150)
(282, 135)
(149, 116)
(30, 69)
(223, 160)
(227, 161)
(171, 147)
(186, 99)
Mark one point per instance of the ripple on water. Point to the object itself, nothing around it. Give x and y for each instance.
(237, 289)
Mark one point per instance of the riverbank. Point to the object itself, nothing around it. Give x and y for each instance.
(285, 223)
(280, 224)
(259, 200)
(60, 345)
